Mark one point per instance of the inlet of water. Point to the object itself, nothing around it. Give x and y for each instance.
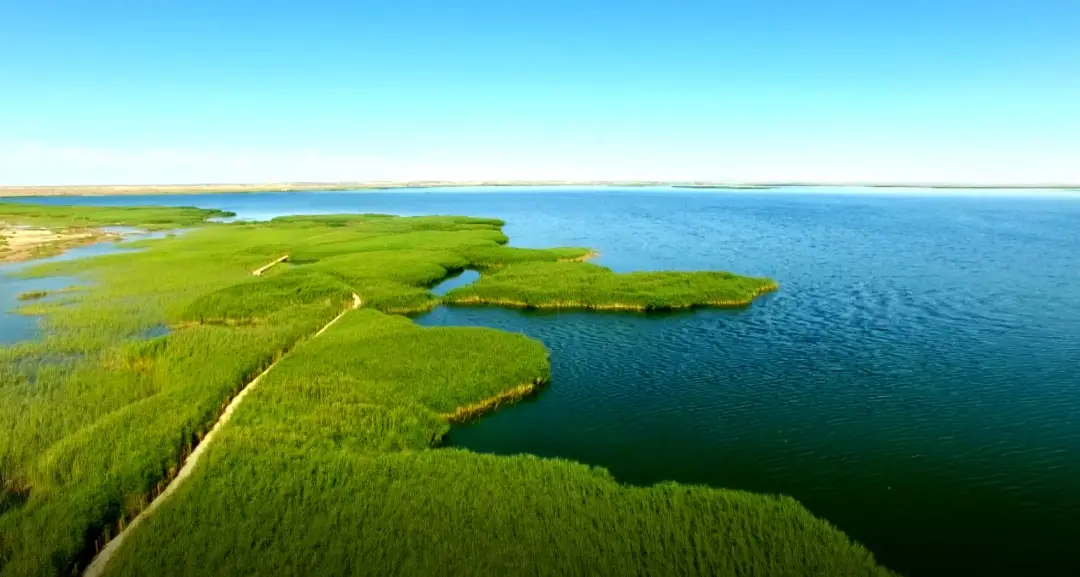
(455, 280)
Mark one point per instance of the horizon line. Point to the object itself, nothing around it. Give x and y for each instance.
(389, 184)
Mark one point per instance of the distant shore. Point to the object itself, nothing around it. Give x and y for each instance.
(145, 189)
(154, 189)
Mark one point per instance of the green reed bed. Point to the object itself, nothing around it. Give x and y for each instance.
(340, 389)
(450, 512)
(329, 468)
(329, 465)
(93, 419)
(257, 299)
(498, 256)
(585, 285)
(89, 442)
(144, 217)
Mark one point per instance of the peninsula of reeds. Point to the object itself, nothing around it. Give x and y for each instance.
(588, 286)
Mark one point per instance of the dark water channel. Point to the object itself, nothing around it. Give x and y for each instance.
(915, 381)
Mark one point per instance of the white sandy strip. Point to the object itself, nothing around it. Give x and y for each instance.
(97, 566)
(259, 271)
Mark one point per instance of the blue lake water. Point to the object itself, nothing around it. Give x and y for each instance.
(914, 381)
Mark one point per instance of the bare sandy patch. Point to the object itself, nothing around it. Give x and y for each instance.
(19, 243)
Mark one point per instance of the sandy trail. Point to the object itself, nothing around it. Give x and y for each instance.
(101, 561)
(259, 271)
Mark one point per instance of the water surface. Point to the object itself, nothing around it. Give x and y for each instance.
(455, 280)
(16, 326)
(914, 380)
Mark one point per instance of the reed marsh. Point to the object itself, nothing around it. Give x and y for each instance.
(586, 285)
(332, 464)
(33, 295)
(331, 467)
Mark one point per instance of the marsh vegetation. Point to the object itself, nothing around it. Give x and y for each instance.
(332, 465)
(31, 232)
(585, 285)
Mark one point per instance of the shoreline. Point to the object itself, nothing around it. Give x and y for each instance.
(583, 258)
(26, 243)
(478, 409)
(234, 188)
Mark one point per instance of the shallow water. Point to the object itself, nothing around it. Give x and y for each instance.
(914, 381)
(14, 326)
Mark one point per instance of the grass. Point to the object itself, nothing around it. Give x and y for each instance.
(257, 299)
(331, 465)
(585, 285)
(452, 512)
(145, 217)
(94, 417)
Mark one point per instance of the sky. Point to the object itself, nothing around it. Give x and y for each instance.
(208, 91)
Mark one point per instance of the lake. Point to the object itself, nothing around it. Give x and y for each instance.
(914, 381)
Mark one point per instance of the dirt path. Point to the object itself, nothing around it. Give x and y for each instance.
(101, 561)
(259, 271)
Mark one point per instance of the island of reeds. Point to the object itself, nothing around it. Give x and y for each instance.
(332, 463)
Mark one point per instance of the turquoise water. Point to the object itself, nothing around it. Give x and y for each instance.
(914, 381)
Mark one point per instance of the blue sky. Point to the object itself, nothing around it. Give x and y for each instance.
(149, 91)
